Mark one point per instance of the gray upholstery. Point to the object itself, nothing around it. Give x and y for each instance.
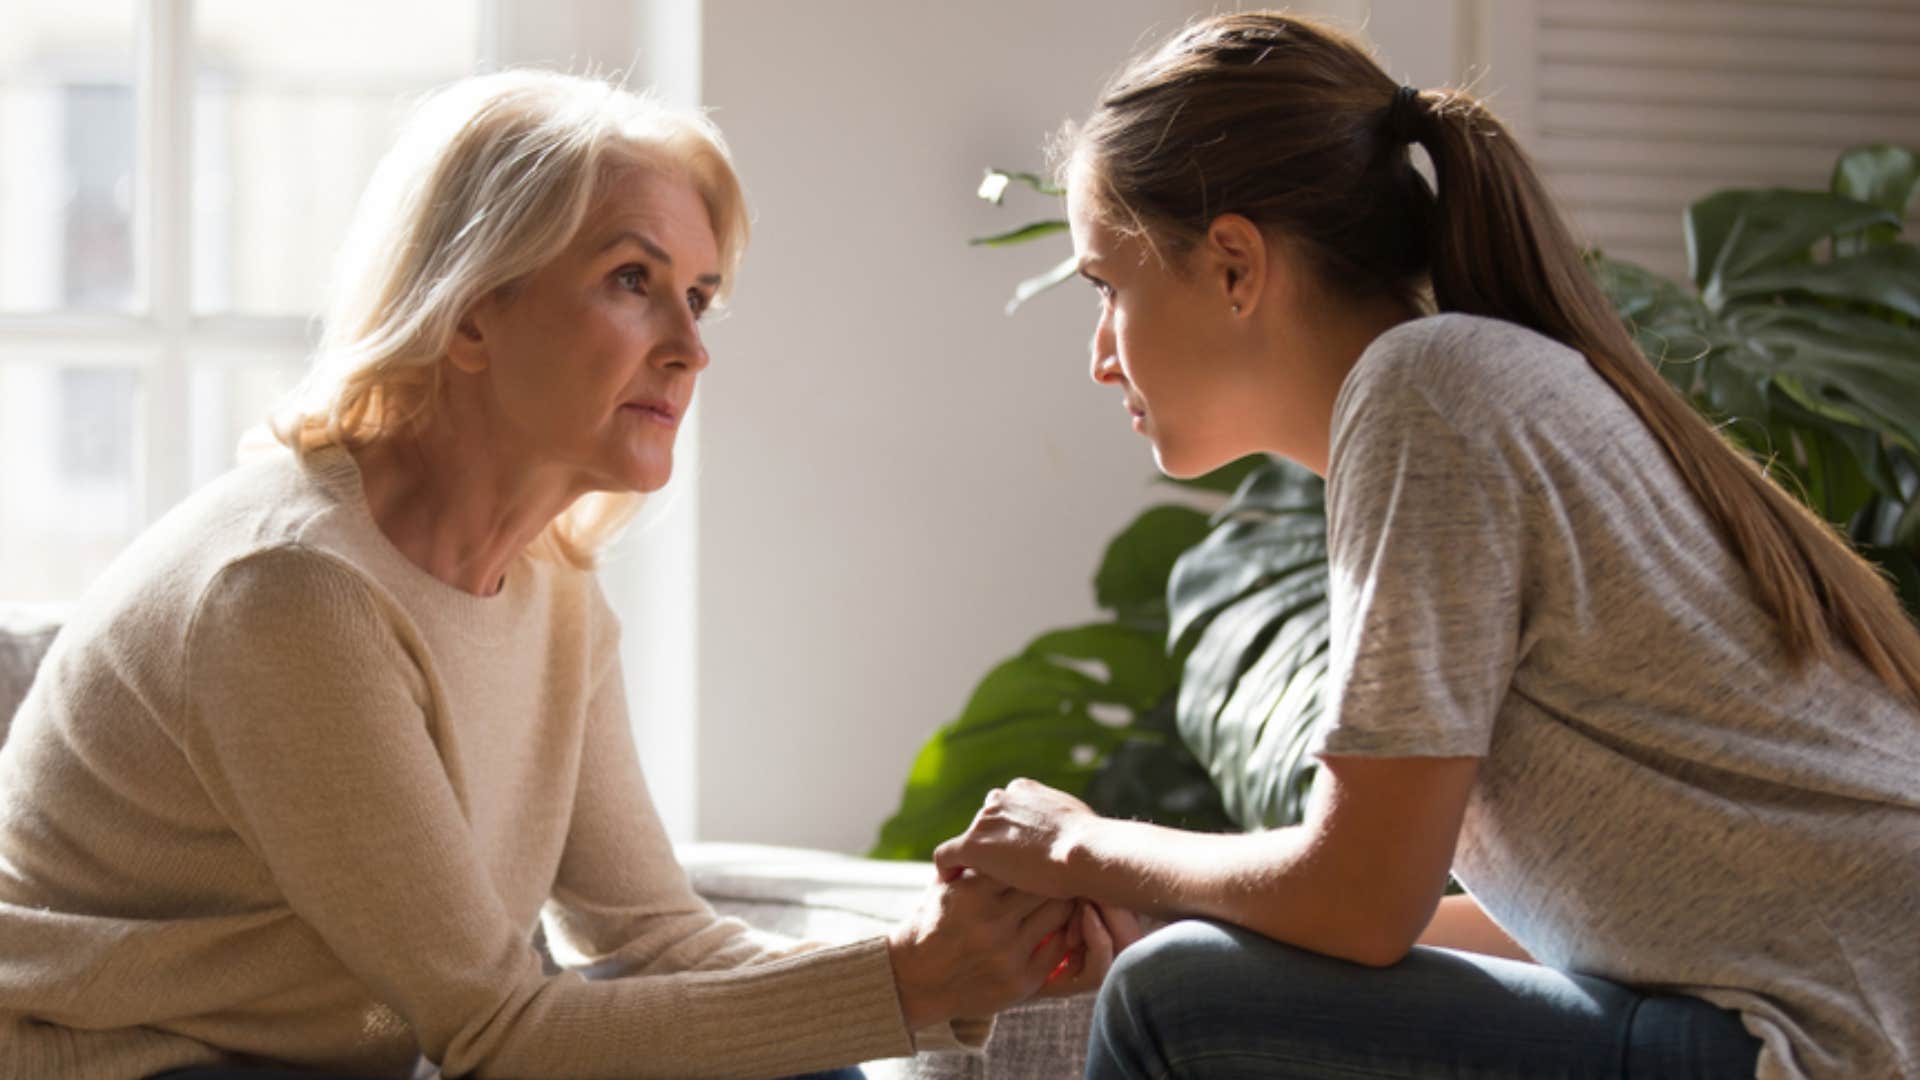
(807, 894)
(25, 634)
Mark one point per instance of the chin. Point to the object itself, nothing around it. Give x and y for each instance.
(643, 476)
(1188, 465)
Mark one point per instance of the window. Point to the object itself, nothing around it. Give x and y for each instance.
(174, 177)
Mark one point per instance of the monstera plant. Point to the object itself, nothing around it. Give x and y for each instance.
(1195, 704)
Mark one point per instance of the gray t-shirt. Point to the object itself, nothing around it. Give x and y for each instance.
(1520, 573)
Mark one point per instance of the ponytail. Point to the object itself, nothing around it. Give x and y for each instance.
(1291, 124)
(1499, 248)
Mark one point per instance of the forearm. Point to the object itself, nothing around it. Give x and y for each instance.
(1278, 883)
(1460, 923)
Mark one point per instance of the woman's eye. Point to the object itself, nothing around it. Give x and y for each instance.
(698, 301)
(632, 278)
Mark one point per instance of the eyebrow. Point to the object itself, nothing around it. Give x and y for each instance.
(630, 237)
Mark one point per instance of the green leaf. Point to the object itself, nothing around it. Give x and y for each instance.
(1864, 446)
(1732, 234)
(1907, 533)
(1671, 326)
(1031, 231)
(1902, 565)
(1274, 526)
(960, 764)
(1887, 276)
(993, 186)
(1040, 283)
(1132, 580)
(1086, 709)
(1253, 597)
(1133, 663)
(1278, 486)
(1237, 558)
(1248, 685)
(1152, 776)
(1837, 488)
(1884, 176)
(1854, 368)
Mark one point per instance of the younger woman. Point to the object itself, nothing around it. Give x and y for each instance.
(1657, 718)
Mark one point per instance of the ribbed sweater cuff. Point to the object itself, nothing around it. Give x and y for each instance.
(839, 1007)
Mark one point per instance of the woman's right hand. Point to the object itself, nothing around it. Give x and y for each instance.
(975, 947)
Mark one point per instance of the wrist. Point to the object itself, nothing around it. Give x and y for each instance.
(1084, 855)
(919, 1006)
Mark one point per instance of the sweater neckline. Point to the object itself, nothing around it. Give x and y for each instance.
(339, 472)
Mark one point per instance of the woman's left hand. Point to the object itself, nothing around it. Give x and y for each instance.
(1024, 836)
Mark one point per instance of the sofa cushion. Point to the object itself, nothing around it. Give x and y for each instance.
(25, 633)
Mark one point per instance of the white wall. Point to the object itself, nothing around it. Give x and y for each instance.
(899, 486)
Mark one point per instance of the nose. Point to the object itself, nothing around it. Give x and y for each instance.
(682, 347)
(1106, 358)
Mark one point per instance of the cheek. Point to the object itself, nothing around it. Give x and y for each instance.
(1148, 352)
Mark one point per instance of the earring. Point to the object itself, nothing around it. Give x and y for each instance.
(1236, 309)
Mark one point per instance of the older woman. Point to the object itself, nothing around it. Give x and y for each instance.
(314, 755)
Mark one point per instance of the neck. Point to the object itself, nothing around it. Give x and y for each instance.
(1313, 357)
(457, 504)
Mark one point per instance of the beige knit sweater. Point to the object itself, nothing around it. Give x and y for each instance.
(280, 794)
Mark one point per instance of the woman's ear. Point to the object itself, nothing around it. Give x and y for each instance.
(468, 349)
(1236, 254)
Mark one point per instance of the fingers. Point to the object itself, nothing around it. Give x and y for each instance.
(1049, 919)
(948, 859)
(1124, 925)
(1047, 959)
(1100, 940)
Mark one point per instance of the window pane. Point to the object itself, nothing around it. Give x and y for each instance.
(67, 170)
(69, 496)
(229, 401)
(293, 106)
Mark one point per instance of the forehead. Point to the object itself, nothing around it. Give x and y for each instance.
(1095, 237)
(661, 205)
(1080, 205)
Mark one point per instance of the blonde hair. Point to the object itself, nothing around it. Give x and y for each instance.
(489, 180)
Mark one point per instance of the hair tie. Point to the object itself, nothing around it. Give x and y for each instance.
(1403, 115)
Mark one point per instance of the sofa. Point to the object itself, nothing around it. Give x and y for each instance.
(810, 894)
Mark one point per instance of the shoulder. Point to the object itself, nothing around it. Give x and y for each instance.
(583, 594)
(1471, 373)
(287, 591)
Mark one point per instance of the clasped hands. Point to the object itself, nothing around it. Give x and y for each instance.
(1007, 921)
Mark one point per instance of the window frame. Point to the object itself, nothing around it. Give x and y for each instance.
(162, 337)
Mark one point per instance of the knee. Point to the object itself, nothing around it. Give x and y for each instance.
(1175, 962)
(1178, 954)
(1162, 997)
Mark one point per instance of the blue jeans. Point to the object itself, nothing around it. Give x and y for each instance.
(1199, 999)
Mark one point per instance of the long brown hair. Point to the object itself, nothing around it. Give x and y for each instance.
(1291, 124)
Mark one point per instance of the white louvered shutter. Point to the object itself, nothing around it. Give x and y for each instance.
(1635, 108)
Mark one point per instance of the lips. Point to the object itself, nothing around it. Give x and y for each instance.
(658, 410)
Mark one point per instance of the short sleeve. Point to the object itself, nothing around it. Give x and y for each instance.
(1426, 548)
